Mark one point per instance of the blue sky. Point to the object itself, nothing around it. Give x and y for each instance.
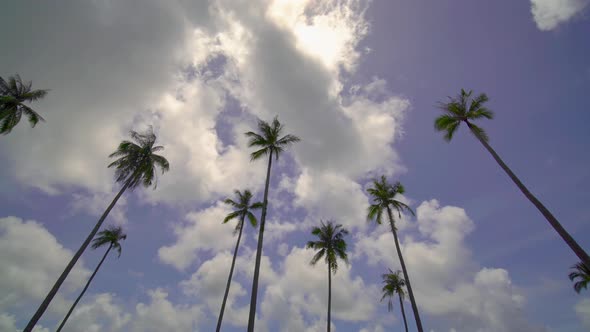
(358, 82)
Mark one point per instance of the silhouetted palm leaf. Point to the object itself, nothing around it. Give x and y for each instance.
(581, 273)
(14, 93)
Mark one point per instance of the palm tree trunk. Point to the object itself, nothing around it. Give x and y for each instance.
(401, 304)
(574, 246)
(252, 316)
(72, 262)
(231, 272)
(401, 260)
(329, 295)
(84, 290)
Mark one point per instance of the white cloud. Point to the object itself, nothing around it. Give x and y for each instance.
(447, 282)
(548, 14)
(162, 315)
(99, 60)
(300, 291)
(203, 230)
(582, 309)
(29, 271)
(208, 283)
(94, 205)
(328, 195)
(96, 314)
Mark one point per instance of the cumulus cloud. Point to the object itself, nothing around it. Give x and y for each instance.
(582, 309)
(549, 14)
(94, 205)
(162, 315)
(99, 60)
(28, 271)
(98, 313)
(447, 282)
(209, 282)
(299, 294)
(203, 230)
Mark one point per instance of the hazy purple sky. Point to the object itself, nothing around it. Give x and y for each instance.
(358, 82)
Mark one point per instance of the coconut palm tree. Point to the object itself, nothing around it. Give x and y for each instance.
(14, 93)
(136, 165)
(384, 196)
(268, 141)
(112, 236)
(465, 109)
(394, 284)
(331, 245)
(242, 210)
(580, 271)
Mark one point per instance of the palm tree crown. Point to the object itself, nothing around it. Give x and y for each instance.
(384, 196)
(393, 284)
(137, 162)
(269, 141)
(112, 236)
(242, 209)
(463, 108)
(582, 272)
(13, 94)
(331, 245)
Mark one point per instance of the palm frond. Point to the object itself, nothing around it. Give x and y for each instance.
(477, 102)
(317, 256)
(255, 139)
(252, 219)
(257, 206)
(478, 131)
(481, 113)
(288, 139)
(33, 116)
(34, 95)
(112, 235)
(232, 215)
(161, 162)
(258, 154)
(137, 163)
(330, 244)
(443, 122)
(582, 272)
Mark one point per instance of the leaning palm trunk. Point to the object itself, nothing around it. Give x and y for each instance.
(84, 290)
(329, 295)
(401, 304)
(582, 255)
(252, 316)
(231, 271)
(401, 260)
(72, 262)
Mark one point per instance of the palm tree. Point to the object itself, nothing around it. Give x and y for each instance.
(384, 198)
(13, 95)
(332, 246)
(267, 142)
(582, 272)
(242, 209)
(111, 236)
(465, 109)
(394, 284)
(136, 165)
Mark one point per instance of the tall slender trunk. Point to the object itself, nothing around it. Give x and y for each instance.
(252, 317)
(329, 295)
(574, 246)
(231, 272)
(405, 271)
(72, 262)
(84, 290)
(401, 304)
